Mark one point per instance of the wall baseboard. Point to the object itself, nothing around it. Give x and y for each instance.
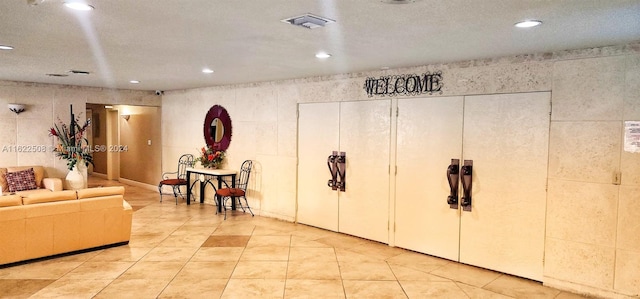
(99, 175)
(138, 184)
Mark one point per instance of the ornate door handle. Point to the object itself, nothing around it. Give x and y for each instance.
(453, 174)
(341, 164)
(467, 183)
(333, 170)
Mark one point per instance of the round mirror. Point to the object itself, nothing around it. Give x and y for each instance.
(217, 128)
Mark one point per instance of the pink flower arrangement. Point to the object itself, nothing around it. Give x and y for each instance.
(211, 157)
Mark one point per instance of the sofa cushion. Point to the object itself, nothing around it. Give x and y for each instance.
(49, 197)
(37, 170)
(21, 180)
(10, 200)
(100, 191)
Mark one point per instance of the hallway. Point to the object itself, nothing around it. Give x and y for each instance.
(180, 251)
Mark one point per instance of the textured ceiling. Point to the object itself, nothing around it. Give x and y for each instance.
(166, 43)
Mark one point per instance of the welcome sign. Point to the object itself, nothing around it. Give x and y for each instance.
(407, 84)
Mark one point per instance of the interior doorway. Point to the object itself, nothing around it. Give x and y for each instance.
(126, 144)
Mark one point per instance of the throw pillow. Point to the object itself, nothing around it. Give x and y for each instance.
(21, 180)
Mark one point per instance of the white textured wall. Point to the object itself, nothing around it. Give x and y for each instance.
(264, 130)
(45, 104)
(592, 224)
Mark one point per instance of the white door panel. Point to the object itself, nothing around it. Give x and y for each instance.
(429, 136)
(317, 138)
(506, 136)
(364, 137)
(362, 130)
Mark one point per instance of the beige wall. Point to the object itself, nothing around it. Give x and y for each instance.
(139, 160)
(45, 104)
(592, 227)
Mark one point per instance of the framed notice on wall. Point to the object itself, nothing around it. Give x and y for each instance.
(632, 136)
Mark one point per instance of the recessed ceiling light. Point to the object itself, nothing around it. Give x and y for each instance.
(528, 24)
(207, 71)
(3, 47)
(78, 6)
(323, 55)
(134, 82)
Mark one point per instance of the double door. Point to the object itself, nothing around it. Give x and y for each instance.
(506, 138)
(410, 149)
(362, 131)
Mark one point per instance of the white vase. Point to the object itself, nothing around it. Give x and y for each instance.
(74, 179)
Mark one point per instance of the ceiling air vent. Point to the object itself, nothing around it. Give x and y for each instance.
(308, 21)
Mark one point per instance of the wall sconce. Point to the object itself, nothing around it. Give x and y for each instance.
(17, 108)
(126, 117)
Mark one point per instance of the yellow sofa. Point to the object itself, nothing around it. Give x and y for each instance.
(40, 224)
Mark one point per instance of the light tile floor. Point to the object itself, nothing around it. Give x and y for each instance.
(180, 251)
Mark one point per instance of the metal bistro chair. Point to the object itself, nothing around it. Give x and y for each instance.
(180, 179)
(240, 191)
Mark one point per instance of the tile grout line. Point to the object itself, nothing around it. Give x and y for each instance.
(237, 261)
(132, 265)
(396, 277)
(183, 266)
(286, 272)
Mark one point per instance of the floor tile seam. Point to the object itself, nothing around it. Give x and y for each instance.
(447, 278)
(369, 279)
(71, 270)
(119, 276)
(465, 293)
(488, 283)
(391, 264)
(396, 277)
(482, 288)
(226, 285)
(446, 282)
(147, 254)
(344, 290)
(169, 282)
(397, 280)
(286, 272)
(46, 286)
(131, 263)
